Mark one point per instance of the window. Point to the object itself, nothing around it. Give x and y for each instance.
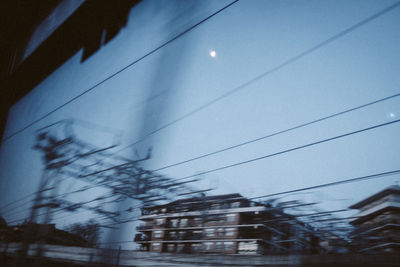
(174, 223)
(156, 246)
(152, 212)
(184, 222)
(246, 247)
(235, 204)
(214, 218)
(197, 234)
(230, 217)
(170, 247)
(198, 222)
(228, 246)
(172, 234)
(215, 206)
(181, 234)
(179, 247)
(196, 247)
(229, 231)
(208, 246)
(219, 246)
(220, 231)
(158, 234)
(210, 232)
(160, 222)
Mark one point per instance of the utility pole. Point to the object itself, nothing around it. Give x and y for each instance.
(71, 158)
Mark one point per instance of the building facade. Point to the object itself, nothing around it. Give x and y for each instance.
(229, 224)
(377, 225)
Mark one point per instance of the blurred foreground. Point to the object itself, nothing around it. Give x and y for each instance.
(76, 256)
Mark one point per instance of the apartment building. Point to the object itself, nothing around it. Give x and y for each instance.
(377, 225)
(229, 224)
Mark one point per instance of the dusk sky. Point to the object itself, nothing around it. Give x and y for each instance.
(228, 51)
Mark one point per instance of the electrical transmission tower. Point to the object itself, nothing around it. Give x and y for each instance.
(100, 175)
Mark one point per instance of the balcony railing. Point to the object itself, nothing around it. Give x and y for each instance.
(143, 227)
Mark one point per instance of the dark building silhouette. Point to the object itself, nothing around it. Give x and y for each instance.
(46, 233)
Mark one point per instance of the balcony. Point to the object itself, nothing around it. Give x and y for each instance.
(144, 227)
(187, 235)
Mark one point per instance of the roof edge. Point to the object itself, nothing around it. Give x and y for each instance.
(389, 190)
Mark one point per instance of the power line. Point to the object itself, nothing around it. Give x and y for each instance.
(285, 63)
(58, 210)
(286, 151)
(270, 71)
(81, 190)
(120, 71)
(29, 195)
(358, 179)
(315, 214)
(136, 218)
(25, 197)
(292, 149)
(262, 137)
(278, 132)
(293, 59)
(88, 188)
(351, 180)
(18, 200)
(273, 154)
(38, 215)
(16, 211)
(266, 73)
(272, 220)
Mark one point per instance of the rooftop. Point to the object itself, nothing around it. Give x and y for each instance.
(180, 202)
(395, 189)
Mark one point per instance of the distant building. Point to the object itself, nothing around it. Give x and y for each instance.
(48, 232)
(229, 224)
(377, 226)
(333, 243)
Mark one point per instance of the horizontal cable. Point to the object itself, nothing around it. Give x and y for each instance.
(271, 71)
(291, 149)
(119, 71)
(345, 181)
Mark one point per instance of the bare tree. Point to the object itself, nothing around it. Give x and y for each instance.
(90, 231)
